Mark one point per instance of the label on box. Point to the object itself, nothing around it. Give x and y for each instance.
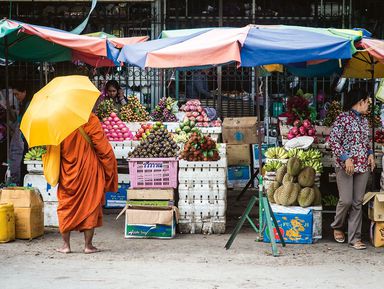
(295, 227)
(238, 176)
(118, 199)
(150, 231)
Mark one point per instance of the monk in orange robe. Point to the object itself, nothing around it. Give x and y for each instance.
(88, 170)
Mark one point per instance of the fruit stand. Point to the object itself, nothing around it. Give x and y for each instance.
(171, 161)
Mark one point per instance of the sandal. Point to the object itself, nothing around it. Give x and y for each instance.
(358, 245)
(339, 236)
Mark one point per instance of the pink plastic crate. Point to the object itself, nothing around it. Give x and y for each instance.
(153, 173)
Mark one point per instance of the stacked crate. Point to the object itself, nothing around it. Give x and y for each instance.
(150, 210)
(203, 195)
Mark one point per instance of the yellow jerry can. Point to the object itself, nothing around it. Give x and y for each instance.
(7, 223)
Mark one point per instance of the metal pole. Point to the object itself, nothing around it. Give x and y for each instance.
(266, 110)
(219, 68)
(350, 14)
(343, 16)
(7, 100)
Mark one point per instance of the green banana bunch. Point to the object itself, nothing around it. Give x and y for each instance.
(317, 165)
(295, 152)
(276, 153)
(313, 154)
(272, 166)
(35, 154)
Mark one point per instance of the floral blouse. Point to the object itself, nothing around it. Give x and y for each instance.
(350, 139)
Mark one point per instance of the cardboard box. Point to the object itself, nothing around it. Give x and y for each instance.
(295, 223)
(377, 234)
(375, 202)
(150, 222)
(153, 203)
(238, 176)
(242, 130)
(29, 222)
(21, 197)
(255, 153)
(151, 194)
(29, 211)
(238, 154)
(118, 199)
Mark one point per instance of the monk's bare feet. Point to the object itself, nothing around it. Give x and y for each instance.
(91, 249)
(64, 250)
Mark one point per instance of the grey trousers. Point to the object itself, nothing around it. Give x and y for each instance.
(351, 194)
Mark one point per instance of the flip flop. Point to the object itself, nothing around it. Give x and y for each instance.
(358, 246)
(339, 236)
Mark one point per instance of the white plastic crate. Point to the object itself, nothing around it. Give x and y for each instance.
(214, 132)
(34, 167)
(200, 209)
(203, 170)
(123, 178)
(50, 214)
(206, 226)
(48, 192)
(202, 191)
(123, 148)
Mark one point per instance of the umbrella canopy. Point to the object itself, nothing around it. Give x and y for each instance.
(35, 43)
(58, 109)
(368, 62)
(248, 46)
(114, 44)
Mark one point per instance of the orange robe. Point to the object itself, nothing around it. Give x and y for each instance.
(86, 174)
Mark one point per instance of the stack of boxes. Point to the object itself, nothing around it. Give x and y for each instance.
(375, 203)
(150, 210)
(203, 195)
(150, 214)
(35, 179)
(239, 134)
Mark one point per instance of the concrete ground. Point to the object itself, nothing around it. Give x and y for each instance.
(188, 261)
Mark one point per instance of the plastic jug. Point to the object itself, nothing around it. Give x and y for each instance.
(7, 223)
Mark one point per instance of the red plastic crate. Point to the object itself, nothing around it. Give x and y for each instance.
(153, 173)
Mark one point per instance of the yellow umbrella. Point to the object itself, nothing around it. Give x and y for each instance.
(58, 109)
(363, 65)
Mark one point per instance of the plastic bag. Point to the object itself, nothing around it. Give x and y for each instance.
(51, 165)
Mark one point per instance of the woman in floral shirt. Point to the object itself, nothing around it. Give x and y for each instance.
(350, 143)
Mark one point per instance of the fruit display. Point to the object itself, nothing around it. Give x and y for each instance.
(200, 148)
(214, 123)
(105, 108)
(276, 153)
(144, 131)
(298, 108)
(376, 118)
(301, 128)
(35, 154)
(165, 110)
(133, 111)
(379, 136)
(294, 185)
(115, 129)
(333, 111)
(195, 112)
(158, 143)
(184, 131)
(272, 166)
